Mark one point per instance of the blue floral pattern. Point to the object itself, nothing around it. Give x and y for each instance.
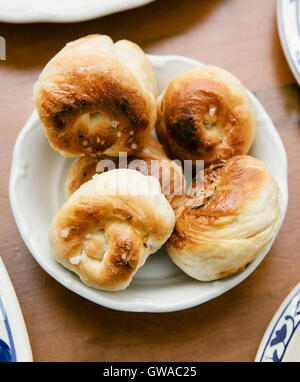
(7, 352)
(283, 331)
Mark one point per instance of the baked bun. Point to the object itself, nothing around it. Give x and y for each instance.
(151, 160)
(106, 230)
(205, 114)
(97, 97)
(217, 234)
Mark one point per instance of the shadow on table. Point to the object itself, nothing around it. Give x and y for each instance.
(31, 45)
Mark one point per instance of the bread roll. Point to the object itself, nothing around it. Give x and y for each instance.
(97, 97)
(205, 114)
(106, 230)
(151, 160)
(217, 234)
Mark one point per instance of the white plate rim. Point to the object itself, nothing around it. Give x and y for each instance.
(136, 306)
(274, 324)
(73, 14)
(288, 25)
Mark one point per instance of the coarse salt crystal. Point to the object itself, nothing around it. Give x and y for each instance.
(150, 243)
(76, 259)
(64, 233)
(212, 111)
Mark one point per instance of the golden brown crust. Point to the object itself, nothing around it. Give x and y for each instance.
(90, 102)
(105, 236)
(205, 114)
(151, 160)
(222, 229)
(227, 185)
(82, 170)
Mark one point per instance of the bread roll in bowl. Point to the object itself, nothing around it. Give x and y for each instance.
(205, 114)
(106, 230)
(151, 160)
(97, 97)
(217, 234)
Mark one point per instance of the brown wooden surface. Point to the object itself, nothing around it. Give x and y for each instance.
(239, 35)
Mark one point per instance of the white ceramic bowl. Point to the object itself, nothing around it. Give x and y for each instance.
(288, 24)
(62, 11)
(37, 190)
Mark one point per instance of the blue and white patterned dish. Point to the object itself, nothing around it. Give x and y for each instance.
(281, 342)
(7, 346)
(288, 21)
(14, 342)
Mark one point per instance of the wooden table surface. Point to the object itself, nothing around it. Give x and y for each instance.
(239, 35)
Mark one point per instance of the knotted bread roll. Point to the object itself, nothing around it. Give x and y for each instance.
(151, 160)
(96, 97)
(106, 230)
(221, 231)
(205, 114)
